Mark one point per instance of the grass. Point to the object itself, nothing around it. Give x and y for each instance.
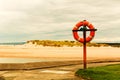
(110, 72)
(63, 43)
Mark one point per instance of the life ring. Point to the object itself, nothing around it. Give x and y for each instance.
(87, 24)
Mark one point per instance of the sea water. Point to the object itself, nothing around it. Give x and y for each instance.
(22, 60)
(13, 43)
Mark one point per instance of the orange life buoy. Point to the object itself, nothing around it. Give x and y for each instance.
(87, 24)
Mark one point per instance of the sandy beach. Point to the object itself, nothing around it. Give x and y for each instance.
(98, 56)
(32, 51)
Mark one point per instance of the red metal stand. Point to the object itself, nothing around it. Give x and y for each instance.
(84, 49)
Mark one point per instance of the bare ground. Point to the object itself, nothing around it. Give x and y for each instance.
(55, 73)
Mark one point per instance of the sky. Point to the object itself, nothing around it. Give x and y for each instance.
(22, 20)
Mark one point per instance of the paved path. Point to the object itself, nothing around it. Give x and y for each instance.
(56, 73)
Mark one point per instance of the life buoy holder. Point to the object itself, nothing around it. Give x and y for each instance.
(77, 27)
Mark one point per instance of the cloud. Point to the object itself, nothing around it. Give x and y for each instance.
(115, 40)
(21, 20)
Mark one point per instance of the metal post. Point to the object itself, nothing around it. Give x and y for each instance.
(84, 48)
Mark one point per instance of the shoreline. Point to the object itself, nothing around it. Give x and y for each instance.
(51, 64)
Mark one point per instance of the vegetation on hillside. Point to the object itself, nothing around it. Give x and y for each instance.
(62, 43)
(110, 72)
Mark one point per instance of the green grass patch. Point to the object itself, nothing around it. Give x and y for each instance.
(110, 72)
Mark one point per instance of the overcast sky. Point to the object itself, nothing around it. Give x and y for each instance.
(22, 20)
